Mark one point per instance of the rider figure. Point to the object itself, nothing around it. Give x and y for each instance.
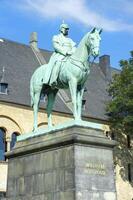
(63, 47)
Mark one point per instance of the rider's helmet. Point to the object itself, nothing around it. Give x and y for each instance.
(64, 26)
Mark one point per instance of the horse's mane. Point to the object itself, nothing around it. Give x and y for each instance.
(84, 38)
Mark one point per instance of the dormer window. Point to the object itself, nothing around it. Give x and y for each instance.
(83, 104)
(42, 97)
(3, 88)
(1, 40)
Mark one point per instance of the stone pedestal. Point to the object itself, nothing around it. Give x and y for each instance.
(75, 163)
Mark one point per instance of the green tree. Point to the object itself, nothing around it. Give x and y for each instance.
(120, 107)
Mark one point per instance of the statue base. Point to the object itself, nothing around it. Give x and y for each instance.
(59, 127)
(75, 163)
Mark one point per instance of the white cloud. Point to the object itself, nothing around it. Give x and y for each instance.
(128, 7)
(78, 10)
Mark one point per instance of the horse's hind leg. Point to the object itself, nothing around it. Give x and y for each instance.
(35, 108)
(73, 91)
(79, 101)
(51, 100)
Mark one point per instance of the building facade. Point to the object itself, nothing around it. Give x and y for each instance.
(17, 63)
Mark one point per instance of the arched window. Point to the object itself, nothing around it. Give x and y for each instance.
(14, 139)
(128, 141)
(3, 145)
(130, 174)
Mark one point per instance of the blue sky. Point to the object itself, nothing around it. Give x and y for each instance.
(18, 18)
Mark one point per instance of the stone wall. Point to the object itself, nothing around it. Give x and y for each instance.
(12, 118)
(3, 176)
(18, 118)
(69, 164)
(123, 155)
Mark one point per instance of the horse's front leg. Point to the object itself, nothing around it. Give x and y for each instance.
(80, 93)
(35, 108)
(51, 100)
(73, 92)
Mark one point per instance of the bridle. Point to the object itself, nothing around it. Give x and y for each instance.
(77, 61)
(83, 63)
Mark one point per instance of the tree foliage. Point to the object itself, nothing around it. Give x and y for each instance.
(120, 108)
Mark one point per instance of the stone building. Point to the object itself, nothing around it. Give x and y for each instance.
(17, 63)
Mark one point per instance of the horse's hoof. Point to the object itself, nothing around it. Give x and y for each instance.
(50, 127)
(35, 130)
(78, 120)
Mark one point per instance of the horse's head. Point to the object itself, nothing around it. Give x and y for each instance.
(93, 41)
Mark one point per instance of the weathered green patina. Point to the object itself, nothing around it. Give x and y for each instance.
(60, 127)
(63, 47)
(68, 68)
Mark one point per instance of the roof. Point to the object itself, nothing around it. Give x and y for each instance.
(20, 62)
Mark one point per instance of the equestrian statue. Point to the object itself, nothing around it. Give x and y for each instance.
(68, 67)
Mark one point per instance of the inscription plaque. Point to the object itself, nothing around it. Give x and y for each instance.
(95, 168)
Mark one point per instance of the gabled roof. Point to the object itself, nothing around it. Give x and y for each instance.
(20, 62)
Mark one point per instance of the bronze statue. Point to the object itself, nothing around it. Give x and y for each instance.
(63, 47)
(68, 68)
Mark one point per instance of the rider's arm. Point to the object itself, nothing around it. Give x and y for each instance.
(57, 47)
(73, 46)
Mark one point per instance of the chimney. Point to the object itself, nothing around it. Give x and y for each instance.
(35, 49)
(104, 63)
(33, 40)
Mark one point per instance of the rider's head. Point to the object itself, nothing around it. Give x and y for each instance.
(64, 28)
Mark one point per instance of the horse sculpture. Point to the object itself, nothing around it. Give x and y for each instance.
(73, 75)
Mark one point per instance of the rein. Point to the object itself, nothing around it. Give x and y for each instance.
(80, 62)
(83, 64)
(93, 60)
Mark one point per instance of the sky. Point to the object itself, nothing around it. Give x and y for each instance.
(18, 18)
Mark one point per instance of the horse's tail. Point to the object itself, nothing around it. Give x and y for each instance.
(32, 92)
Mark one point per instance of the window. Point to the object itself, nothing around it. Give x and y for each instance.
(14, 139)
(128, 141)
(2, 144)
(112, 135)
(43, 97)
(3, 88)
(129, 172)
(83, 104)
(2, 194)
(85, 90)
(107, 134)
